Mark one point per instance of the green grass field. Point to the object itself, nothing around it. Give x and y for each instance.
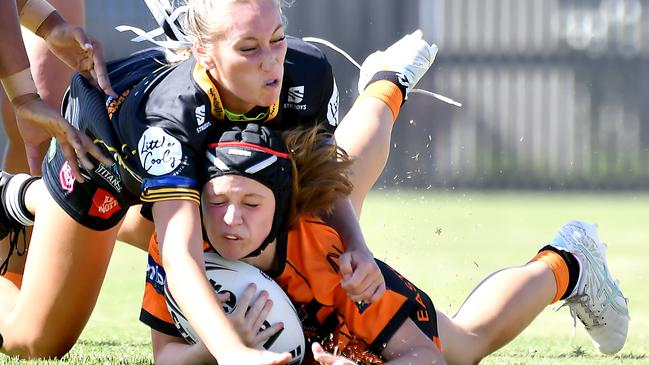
(445, 243)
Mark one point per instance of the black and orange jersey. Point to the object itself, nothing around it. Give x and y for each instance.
(308, 272)
(158, 125)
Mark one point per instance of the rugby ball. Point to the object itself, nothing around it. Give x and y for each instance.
(233, 277)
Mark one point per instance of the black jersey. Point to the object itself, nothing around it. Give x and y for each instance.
(161, 122)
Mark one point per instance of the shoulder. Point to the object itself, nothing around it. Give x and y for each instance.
(300, 50)
(305, 63)
(313, 243)
(309, 92)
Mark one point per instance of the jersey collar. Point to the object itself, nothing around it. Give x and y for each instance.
(205, 82)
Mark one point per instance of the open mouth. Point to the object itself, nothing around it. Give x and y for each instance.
(272, 83)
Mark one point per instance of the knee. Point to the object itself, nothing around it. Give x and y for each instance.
(38, 347)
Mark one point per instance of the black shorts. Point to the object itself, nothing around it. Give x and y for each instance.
(419, 308)
(101, 201)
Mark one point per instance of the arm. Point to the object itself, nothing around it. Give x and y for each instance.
(179, 234)
(174, 350)
(362, 279)
(68, 42)
(37, 121)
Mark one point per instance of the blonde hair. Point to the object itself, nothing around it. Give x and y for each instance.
(320, 172)
(198, 24)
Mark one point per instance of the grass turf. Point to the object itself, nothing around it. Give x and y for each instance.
(445, 243)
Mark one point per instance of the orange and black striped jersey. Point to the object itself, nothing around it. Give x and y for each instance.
(309, 273)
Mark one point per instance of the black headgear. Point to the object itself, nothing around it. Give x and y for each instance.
(258, 153)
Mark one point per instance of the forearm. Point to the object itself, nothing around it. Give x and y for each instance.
(197, 300)
(344, 220)
(13, 57)
(179, 232)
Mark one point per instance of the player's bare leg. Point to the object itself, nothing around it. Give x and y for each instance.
(136, 230)
(497, 310)
(571, 268)
(365, 134)
(63, 275)
(51, 77)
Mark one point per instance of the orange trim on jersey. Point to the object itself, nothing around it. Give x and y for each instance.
(248, 145)
(559, 268)
(204, 81)
(387, 92)
(15, 278)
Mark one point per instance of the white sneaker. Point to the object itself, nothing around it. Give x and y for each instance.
(597, 299)
(411, 56)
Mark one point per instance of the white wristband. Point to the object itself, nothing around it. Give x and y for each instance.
(19, 84)
(34, 13)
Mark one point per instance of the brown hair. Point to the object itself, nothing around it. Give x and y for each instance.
(320, 172)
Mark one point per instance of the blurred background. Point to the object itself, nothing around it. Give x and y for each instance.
(554, 92)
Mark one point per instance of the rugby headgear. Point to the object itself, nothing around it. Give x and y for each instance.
(258, 153)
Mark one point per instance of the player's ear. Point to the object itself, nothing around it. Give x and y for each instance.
(203, 56)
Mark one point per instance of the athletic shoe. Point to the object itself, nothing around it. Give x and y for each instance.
(597, 299)
(411, 56)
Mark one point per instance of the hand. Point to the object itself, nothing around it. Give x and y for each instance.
(248, 317)
(80, 52)
(38, 123)
(411, 56)
(325, 358)
(362, 278)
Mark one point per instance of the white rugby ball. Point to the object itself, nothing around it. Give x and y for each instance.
(233, 277)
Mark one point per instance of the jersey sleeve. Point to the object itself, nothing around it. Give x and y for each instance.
(169, 165)
(310, 94)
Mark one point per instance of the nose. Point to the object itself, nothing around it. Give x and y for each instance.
(233, 216)
(269, 60)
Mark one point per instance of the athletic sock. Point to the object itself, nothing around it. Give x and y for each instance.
(388, 87)
(14, 199)
(565, 268)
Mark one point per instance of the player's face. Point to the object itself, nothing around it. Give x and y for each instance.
(237, 214)
(248, 53)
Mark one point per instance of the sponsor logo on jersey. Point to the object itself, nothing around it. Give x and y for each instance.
(155, 274)
(104, 205)
(110, 175)
(295, 94)
(200, 119)
(66, 179)
(295, 97)
(160, 153)
(332, 108)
